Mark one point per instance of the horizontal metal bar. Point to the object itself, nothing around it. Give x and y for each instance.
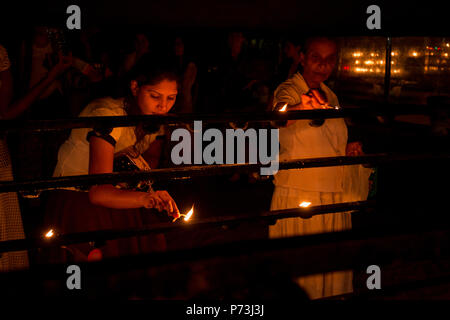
(189, 172)
(332, 251)
(102, 235)
(173, 119)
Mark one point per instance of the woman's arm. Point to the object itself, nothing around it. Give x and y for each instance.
(12, 110)
(101, 157)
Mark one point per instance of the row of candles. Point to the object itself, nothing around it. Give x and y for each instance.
(187, 216)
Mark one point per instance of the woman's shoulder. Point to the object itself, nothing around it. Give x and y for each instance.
(106, 106)
(290, 91)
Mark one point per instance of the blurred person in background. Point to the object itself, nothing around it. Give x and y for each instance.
(11, 106)
(187, 69)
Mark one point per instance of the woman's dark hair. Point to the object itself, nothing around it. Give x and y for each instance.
(295, 39)
(151, 70)
(308, 41)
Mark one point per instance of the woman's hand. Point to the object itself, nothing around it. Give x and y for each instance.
(64, 62)
(310, 101)
(162, 201)
(354, 149)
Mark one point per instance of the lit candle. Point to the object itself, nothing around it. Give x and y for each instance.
(305, 204)
(187, 215)
(283, 109)
(49, 234)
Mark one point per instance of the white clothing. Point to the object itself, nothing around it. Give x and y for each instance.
(322, 284)
(73, 155)
(300, 140)
(320, 186)
(11, 227)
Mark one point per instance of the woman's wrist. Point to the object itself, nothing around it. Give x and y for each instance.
(146, 200)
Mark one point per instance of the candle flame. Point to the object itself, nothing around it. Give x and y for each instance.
(305, 204)
(283, 108)
(188, 215)
(49, 234)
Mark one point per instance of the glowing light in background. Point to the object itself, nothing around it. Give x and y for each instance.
(49, 234)
(305, 204)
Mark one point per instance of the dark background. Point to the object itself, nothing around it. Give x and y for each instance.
(332, 17)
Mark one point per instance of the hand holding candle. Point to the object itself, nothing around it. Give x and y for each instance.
(162, 201)
(311, 100)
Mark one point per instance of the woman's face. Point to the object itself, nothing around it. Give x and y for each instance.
(319, 61)
(155, 99)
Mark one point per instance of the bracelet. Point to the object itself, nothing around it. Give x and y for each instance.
(152, 203)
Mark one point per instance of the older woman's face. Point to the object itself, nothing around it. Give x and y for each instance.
(155, 99)
(319, 61)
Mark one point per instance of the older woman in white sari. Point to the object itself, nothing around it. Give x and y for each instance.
(313, 139)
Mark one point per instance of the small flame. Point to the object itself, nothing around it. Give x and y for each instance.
(188, 215)
(49, 234)
(283, 108)
(305, 204)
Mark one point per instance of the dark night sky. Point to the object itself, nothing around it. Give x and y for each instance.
(334, 17)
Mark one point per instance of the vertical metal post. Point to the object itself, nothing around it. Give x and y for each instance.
(387, 70)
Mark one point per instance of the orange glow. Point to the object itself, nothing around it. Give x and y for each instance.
(49, 234)
(283, 109)
(188, 215)
(305, 204)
